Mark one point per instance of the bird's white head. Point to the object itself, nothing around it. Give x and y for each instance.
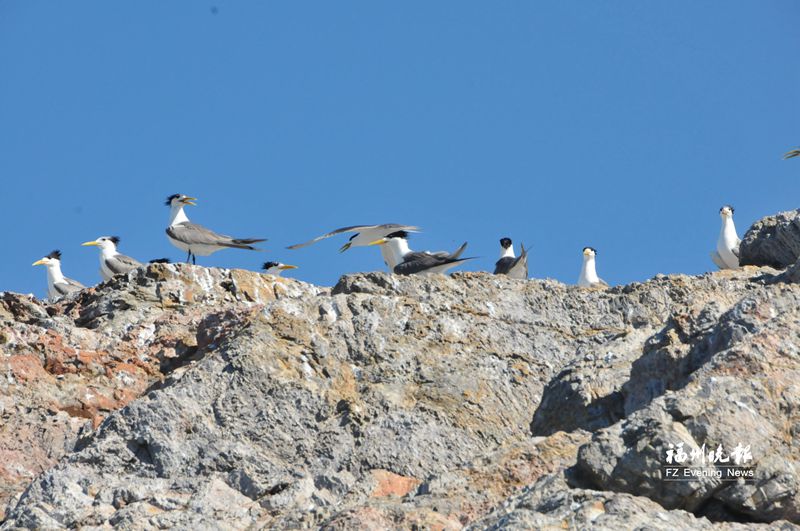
(589, 252)
(106, 243)
(276, 268)
(726, 212)
(399, 235)
(179, 200)
(51, 260)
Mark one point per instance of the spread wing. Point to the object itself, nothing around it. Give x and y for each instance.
(356, 228)
(717, 259)
(791, 154)
(194, 234)
(120, 263)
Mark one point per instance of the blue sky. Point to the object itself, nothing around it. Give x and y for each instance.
(620, 125)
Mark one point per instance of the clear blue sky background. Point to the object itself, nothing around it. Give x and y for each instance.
(620, 125)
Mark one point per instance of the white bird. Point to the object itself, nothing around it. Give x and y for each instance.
(510, 264)
(196, 239)
(57, 284)
(364, 236)
(588, 276)
(112, 262)
(276, 268)
(409, 262)
(726, 255)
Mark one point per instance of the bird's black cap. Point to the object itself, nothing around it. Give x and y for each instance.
(55, 255)
(590, 249)
(399, 234)
(505, 243)
(726, 206)
(267, 265)
(170, 198)
(114, 239)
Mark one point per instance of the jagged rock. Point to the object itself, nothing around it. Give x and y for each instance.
(772, 241)
(182, 396)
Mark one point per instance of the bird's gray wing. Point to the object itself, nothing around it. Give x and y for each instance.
(791, 154)
(504, 265)
(458, 251)
(417, 262)
(120, 263)
(717, 259)
(735, 249)
(355, 228)
(194, 234)
(68, 286)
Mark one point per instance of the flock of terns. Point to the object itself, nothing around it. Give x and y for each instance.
(391, 238)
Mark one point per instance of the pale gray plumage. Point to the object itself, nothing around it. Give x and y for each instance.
(120, 264)
(513, 267)
(421, 262)
(385, 227)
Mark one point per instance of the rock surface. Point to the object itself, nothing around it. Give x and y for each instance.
(181, 396)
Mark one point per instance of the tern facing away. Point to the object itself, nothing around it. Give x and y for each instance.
(726, 255)
(408, 262)
(588, 276)
(196, 239)
(510, 264)
(276, 268)
(57, 284)
(112, 262)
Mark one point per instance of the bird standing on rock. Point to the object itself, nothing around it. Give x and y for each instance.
(57, 284)
(510, 264)
(588, 277)
(726, 255)
(276, 268)
(112, 262)
(196, 239)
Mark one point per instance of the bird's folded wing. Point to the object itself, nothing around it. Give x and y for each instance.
(504, 265)
(417, 262)
(194, 234)
(735, 249)
(121, 264)
(717, 259)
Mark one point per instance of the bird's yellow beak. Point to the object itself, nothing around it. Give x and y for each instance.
(38, 262)
(87, 244)
(587, 252)
(189, 201)
(378, 242)
(287, 266)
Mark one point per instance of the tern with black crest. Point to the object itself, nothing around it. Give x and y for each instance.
(726, 255)
(408, 262)
(588, 277)
(276, 268)
(57, 284)
(509, 263)
(112, 262)
(196, 239)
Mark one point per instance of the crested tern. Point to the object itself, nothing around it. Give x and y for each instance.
(112, 262)
(510, 264)
(196, 239)
(57, 284)
(588, 276)
(791, 154)
(726, 256)
(409, 262)
(276, 268)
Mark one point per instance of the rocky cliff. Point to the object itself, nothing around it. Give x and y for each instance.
(181, 396)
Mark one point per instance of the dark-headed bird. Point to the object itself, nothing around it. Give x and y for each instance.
(196, 239)
(57, 284)
(510, 264)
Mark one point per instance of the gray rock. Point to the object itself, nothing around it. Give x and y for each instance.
(772, 241)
